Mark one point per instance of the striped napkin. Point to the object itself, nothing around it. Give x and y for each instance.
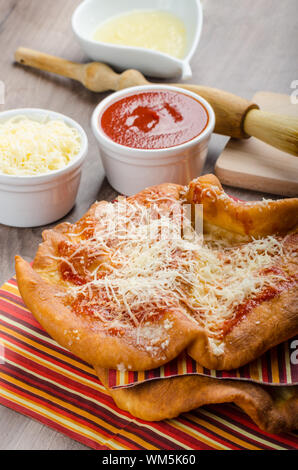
(40, 379)
(273, 368)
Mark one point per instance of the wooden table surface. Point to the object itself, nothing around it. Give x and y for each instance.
(246, 46)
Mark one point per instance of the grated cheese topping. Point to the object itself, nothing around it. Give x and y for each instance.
(138, 265)
(29, 147)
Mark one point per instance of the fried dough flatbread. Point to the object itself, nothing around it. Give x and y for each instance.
(273, 408)
(127, 287)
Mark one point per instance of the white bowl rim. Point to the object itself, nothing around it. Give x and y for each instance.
(185, 59)
(103, 138)
(45, 177)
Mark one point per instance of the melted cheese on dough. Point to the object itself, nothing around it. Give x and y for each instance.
(148, 264)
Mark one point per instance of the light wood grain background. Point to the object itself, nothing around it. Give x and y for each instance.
(246, 46)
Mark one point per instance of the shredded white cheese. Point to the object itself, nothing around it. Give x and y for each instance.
(145, 265)
(29, 147)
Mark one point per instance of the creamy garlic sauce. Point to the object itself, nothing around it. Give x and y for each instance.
(151, 29)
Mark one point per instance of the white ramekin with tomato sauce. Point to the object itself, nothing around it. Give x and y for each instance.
(152, 134)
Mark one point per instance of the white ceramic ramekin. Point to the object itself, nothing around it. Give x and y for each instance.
(130, 170)
(91, 13)
(31, 201)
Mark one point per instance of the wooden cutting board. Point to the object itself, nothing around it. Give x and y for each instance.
(252, 164)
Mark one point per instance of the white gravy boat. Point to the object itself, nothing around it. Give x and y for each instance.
(90, 13)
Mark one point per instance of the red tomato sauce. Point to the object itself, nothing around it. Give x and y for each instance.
(154, 120)
(267, 294)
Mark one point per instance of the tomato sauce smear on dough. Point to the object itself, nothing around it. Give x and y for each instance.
(93, 259)
(246, 307)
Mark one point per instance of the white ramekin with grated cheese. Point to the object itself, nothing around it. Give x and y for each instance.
(41, 157)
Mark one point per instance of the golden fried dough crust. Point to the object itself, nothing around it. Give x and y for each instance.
(255, 219)
(82, 335)
(273, 409)
(267, 324)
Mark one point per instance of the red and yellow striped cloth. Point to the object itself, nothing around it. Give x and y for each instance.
(274, 368)
(44, 381)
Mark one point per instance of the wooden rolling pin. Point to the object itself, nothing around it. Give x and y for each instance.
(235, 117)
